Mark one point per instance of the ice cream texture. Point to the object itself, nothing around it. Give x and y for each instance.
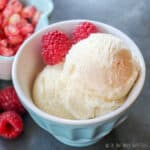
(95, 78)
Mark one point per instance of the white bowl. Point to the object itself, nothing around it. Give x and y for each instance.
(27, 65)
(46, 8)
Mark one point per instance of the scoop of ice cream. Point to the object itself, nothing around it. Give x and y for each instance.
(96, 76)
(45, 92)
(103, 64)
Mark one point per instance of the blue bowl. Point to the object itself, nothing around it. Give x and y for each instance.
(28, 64)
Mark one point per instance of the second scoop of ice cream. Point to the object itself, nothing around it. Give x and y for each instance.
(95, 78)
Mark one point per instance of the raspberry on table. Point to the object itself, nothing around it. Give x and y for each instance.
(82, 31)
(11, 125)
(10, 101)
(55, 46)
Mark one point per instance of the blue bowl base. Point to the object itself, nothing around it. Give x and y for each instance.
(76, 144)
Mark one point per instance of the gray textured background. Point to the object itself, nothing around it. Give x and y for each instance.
(133, 18)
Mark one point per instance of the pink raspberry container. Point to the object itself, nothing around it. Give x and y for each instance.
(45, 7)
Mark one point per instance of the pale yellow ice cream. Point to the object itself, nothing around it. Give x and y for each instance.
(96, 76)
(45, 92)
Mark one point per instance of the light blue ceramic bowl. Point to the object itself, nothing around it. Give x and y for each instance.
(27, 65)
(46, 7)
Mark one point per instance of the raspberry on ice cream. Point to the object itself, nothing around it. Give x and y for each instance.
(55, 45)
(83, 30)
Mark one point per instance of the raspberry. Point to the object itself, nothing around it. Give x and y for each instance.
(4, 22)
(14, 19)
(2, 34)
(27, 28)
(36, 18)
(11, 125)
(7, 13)
(15, 40)
(15, 5)
(83, 30)
(3, 4)
(10, 101)
(55, 46)
(4, 51)
(15, 48)
(11, 30)
(21, 23)
(28, 12)
(1, 20)
(3, 43)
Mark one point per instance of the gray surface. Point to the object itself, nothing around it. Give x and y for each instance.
(132, 17)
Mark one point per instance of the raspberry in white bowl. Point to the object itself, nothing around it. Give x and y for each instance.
(18, 21)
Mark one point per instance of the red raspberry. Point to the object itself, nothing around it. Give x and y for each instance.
(15, 48)
(10, 101)
(83, 30)
(21, 23)
(27, 28)
(1, 20)
(2, 34)
(5, 23)
(11, 30)
(4, 51)
(14, 19)
(7, 13)
(15, 40)
(11, 125)
(15, 5)
(3, 43)
(55, 46)
(28, 12)
(3, 4)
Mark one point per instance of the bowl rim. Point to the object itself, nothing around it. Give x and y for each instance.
(7, 57)
(29, 105)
